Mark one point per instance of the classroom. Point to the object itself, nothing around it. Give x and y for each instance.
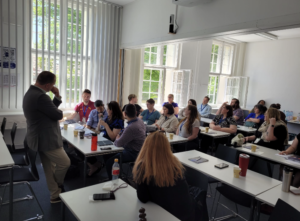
(149, 110)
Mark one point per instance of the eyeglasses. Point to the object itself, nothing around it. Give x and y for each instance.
(123, 185)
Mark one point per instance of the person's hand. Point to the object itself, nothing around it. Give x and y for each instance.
(158, 127)
(102, 123)
(224, 104)
(100, 115)
(283, 153)
(55, 91)
(216, 128)
(272, 121)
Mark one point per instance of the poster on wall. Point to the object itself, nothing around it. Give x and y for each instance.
(7, 57)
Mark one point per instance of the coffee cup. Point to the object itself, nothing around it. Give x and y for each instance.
(236, 171)
(206, 129)
(65, 126)
(75, 133)
(171, 136)
(253, 148)
(81, 134)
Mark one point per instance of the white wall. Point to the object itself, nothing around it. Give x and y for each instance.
(147, 21)
(274, 71)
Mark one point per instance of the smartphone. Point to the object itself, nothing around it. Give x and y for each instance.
(221, 165)
(296, 192)
(105, 148)
(104, 196)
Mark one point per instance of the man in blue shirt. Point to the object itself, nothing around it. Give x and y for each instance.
(96, 115)
(150, 115)
(204, 109)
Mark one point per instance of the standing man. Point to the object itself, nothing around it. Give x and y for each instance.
(96, 115)
(44, 133)
(204, 109)
(84, 108)
(133, 100)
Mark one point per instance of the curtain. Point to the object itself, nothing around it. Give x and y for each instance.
(78, 40)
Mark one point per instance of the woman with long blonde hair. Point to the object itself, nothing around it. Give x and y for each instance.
(188, 128)
(273, 132)
(160, 178)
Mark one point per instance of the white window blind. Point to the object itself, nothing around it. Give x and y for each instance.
(237, 87)
(180, 87)
(79, 42)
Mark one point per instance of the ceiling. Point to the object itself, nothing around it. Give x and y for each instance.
(120, 2)
(281, 34)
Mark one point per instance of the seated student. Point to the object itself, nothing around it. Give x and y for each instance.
(112, 126)
(257, 117)
(224, 122)
(274, 133)
(261, 102)
(167, 121)
(171, 101)
(238, 113)
(96, 114)
(294, 149)
(131, 140)
(150, 115)
(182, 111)
(204, 109)
(282, 115)
(133, 100)
(189, 128)
(84, 108)
(160, 178)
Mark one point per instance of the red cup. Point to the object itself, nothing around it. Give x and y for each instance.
(243, 163)
(94, 142)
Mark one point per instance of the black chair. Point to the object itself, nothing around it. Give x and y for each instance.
(3, 126)
(23, 176)
(19, 156)
(283, 211)
(199, 180)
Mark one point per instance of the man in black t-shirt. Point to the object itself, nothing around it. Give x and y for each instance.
(133, 100)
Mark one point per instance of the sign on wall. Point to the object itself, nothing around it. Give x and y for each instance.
(8, 57)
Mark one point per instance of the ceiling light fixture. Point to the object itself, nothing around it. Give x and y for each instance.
(267, 35)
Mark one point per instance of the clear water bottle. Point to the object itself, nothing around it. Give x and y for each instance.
(115, 172)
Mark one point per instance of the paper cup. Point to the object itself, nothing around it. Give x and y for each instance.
(253, 148)
(75, 133)
(236, 171)
(171, 136)
(206, 129)
(65, 126)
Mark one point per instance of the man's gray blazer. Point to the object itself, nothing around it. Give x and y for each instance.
(42, 116)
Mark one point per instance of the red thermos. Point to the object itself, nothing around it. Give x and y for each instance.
(243, 163)
(94, 142)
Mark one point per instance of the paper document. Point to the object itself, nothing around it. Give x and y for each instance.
(198, 160)
(247, 146)
(79, 127)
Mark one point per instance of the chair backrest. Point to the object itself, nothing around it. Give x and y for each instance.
(195, 178)
(211, 116)
(283, 211)
(226, 153)
(13, 135)
(261, 166)
(32, 160)
(3, 125)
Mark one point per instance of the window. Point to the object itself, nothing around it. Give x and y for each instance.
(237, 87)
(221, 58)
(158, 60)
(152, 83)
(180, 87)
(212, 90)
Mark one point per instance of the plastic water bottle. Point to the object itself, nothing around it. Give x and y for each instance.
(298, 116)
(115, 172)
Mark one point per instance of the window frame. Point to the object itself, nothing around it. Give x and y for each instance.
(189, 83)
(215, 97)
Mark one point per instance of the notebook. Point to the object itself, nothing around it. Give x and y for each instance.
(105, 143)
(198, 160)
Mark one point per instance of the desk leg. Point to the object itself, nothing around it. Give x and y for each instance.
(258, 210)
(11, 194)
(252, 209)
(63, 210)
(84, 171)
(269, 169)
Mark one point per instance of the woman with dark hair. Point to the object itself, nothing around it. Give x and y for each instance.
(112, 125)
(261, 102)
(171, 101)
(282, 115)
(257, 117)
(167, 121)
(189, 128)
(238, 113)
(225, 121)
(159, 176)
(182, 111)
